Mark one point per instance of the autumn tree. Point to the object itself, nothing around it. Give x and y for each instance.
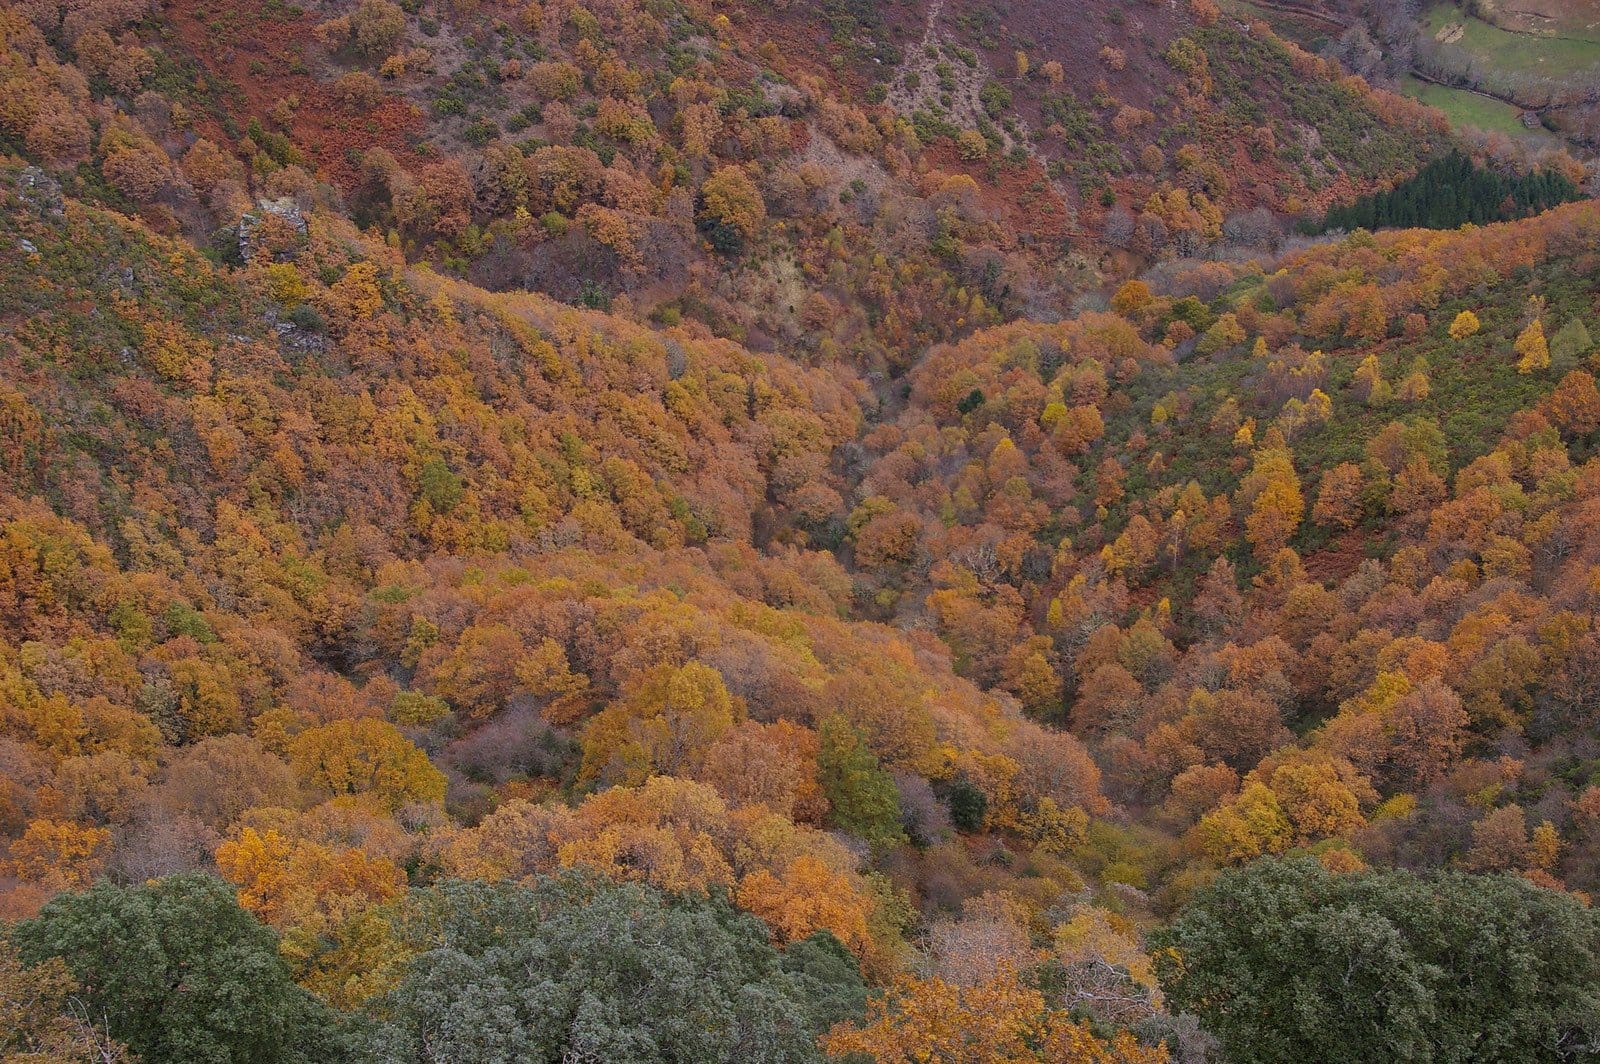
(298, 882)
(1533, 353)
(138, 170)
(666, 722)
(1271, 491)
(1130, 297)
(732, 201)
(219, 778)
(1223, 333)
(372, 30)
(1368, 382)
(805, 898)
(1574, 406)
(1426, 731)
(771, 764)
(1499, 841)
(1250, 825)
(43, 1021)
(1415, 386)
(1465, 324)
(1107, 971)
(59, 853)
(1339, 497)
(365, 756)
(997, 1022)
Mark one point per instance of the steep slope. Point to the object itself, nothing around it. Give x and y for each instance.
(1264, 507)
(472, 584)
(687, 162)
(455, 460)
(497, 523)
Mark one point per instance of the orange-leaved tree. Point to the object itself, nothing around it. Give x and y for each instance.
(997, 1022)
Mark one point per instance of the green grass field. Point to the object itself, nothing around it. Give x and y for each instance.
(1469, 109)
(1509, 63)
(1548, 18)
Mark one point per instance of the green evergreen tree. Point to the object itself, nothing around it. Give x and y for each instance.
(1287, 962)
(861, 795)
(181, 974)
(1452, 191)
(574, 968)
(826, 972)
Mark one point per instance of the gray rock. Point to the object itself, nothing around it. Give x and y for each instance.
(250, 222)
(41, 191)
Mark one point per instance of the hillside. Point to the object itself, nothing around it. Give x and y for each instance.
(1523, 70)
(660, 532)
(741, 168)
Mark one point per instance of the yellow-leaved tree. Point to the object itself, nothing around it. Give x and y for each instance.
(365, 756)
(1271, 491)
(1465, 325)
(733, 199)
(1533, 352)
(665, 722)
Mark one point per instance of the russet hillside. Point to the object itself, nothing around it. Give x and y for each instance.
(782, 532)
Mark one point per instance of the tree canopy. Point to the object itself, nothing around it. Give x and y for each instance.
(573, 968)
(181, 973)
(1286, 961)
(1451, 191)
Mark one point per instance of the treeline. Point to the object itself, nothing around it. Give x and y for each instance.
(1450, 192)
(575, 967)
(570, 967)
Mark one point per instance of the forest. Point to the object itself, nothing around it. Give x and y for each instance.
(1451, 192)
(655, 531)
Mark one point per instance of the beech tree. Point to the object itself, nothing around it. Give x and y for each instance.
(365, 756)
(1276, 505)
(1339, 497)
(1575, 404)
(1465, 324)
(732, 199)
(999, 1021)
(1533, 353)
